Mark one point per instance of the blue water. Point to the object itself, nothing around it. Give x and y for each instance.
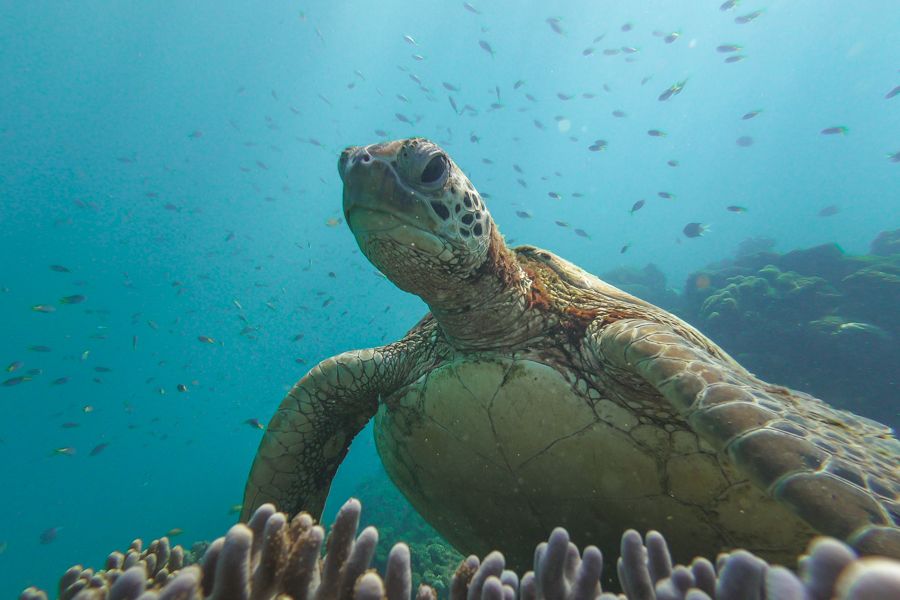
(179, 158)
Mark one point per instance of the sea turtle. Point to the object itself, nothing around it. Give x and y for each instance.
(533, 394)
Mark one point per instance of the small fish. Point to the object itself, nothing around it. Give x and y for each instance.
(195, 134)
(449, 87)
(627, 27)
(888, 96)
(14, 366)
(587, 51)
(750, 115)
(736, 209)
(102, 369)
(486, 47)
(672, 37)
(206, 339)
(410, 40)
(48, 535)
(895, 157)
(471, 8)
(835, 130)
(518, 84)
(523, 214)
(729, 4)
(255, 424)
(16, 380)
(555, 25)
(582, 233)
(43, 308)
(402, 118)
(181, 387)
(656, 133)
(562, 223)
(418, 57)
(619, 114)
(59, 381)
(598, 146)
(745, 141)
(673, 90)
(666, 195)
(735, 58)
(865, 328)
(726, 48)
(74, 299)
(624, 248)
(693, 230)
(748, 18)
(134, 342)
(39, 348)
(87, 408)
(64, 451)
(672, 163)
(62, 269)
(554, 195)
(830, 210)
(175, 531)
(98, 448)
(636, 206)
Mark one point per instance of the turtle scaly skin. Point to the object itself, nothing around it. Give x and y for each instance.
(534, 394)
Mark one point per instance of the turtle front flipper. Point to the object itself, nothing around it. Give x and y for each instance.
(838, 472)
(311, 431)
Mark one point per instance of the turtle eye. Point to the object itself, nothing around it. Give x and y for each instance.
(434, 170)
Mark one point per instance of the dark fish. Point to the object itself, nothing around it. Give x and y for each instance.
(562, 96)
(14, 366)
(627, 27)
(69, 425)
(59, 381)
(666, 195)
(673, 90)
(728, 5)
(523, 214)
(725, 48)
(75, 299)
(555, 26)
(62, 269)
(255, 424)
(749, 17)
(486, 47)
(735, 58)
(672, 37)
(98, 449)
(888, 96)
(656, 133)
(16, 380)
(48, 535)
(206, 339)
(598, 146)
(538, 124)
(830, 210)
(449, 87)
(620, 114)
(39, 348)
(624, 248)
(43, 308)
(745, 141)
(562, 223)
(835, 130)
(518, 84)
(736, 209)
(672, 163)
(181, 387)
(402, 118)
(895, 157)
(99, 369)
(611, 52)
(471, 8)
(587, 51)
(693, 230)
(636, 206)
(750, 115)
(554, 195)
(582, 233)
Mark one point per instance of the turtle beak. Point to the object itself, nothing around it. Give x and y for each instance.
(348, 159)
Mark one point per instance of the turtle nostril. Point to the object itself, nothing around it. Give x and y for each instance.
(365, 157)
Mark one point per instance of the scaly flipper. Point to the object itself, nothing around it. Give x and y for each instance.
(802, 452)
(310, 433)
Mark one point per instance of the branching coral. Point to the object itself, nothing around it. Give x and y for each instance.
(273, 558)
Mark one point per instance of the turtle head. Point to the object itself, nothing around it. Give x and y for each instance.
(415, 215)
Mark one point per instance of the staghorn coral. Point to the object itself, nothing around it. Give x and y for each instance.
(273, 558)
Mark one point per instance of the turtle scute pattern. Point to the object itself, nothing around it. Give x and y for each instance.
(838, 471)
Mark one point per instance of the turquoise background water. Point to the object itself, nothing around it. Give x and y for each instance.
(180, 156)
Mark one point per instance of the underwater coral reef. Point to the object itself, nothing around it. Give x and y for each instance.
(814, 319)
(273, 558)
